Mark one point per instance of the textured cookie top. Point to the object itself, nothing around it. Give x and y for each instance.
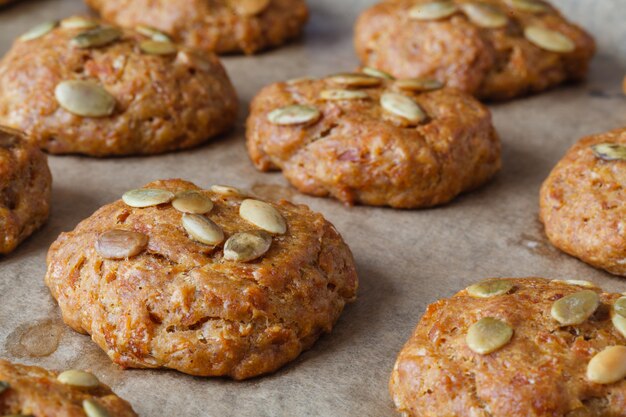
(76, 86)
(494, 49)
(208, 282)
(368, 138)
(516, 348)
(37, 392)
(222, 26)
(582, 201)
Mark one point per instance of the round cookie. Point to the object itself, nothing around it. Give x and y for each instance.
(493, 49)
(516, 348)
(37, 392)
(269, 279)
(221, 26)
(582, 202)
(373, 140)
(79, 87)
(25, 183)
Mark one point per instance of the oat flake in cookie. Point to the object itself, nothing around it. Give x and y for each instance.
(367, 138)
(493, 49)
(78, 86)
(516, 348)
(221, 26)
(25, 184)
(208, 282)
(30, 391)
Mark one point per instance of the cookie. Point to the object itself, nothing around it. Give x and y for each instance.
(37, 392)
(80, 87)
(493, 49)
(516, 348)
(373, 140)
(221, 26)
(208, 282)
(582, 202)
(25, 184)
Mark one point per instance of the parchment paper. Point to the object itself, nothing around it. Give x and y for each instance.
(406, 259)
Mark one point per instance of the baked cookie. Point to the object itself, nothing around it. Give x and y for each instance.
(516, 348)
(221, 26)
(80, 87)
(25, 184)
(36, 392)
(372, 140)
(583, 203)
(211, 283)
(493, 49)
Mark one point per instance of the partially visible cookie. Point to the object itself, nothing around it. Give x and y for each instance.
(493, 49)
(82, 87)
(208, 282)
(374, 140)
(583, 202)
(221, 26)
(527, 347)
(37, 392)
(25, 184)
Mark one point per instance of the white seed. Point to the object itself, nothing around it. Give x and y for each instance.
(294, 115)
(93, 409)
(248, 7)
(581, 283)
(226, 190)
(619, 322)
(120, 244)
(488, 335)
(95, 38)
(355, 80)
(154, 34)
(609, 151)
(490, 288)
(402, 106)
(80, 379)
(153, 47)
(202, 229)
(608, 366)
(84, 98)
(247, 246)
(418, 84)
(263, 215)
(531, 6)
(373, 72)
(485, 15)
(620, 306)
(78, 22)
(575, 308)
(299, 80)
(147, 197)
(192, 202)
(334, 95)
(549, 40)
(433, 10)
(38, 31)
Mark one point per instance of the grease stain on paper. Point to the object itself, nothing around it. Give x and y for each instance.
(35, 340)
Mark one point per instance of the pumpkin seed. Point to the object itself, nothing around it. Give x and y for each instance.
(609, 151)
(248, 7)
(294, 115)
(158, 47)
(581, 283)
(619, 323)
(95, 38)
(490, 288)
(549, 40)
(608, 366)
(247, 246)
(78, 22)
(485, 15)
(38, 31)
(84, 98)
(120, 244)
(434, 10)
(333, 95)
(147, 197)
(620, 306)
(80, 379)
(488, 335)
(192, 202)
(152, 33)
(531, 6)
(402, 106)
(575, 308)
(226, 190)
(373, 72)
(418, 84)
(355, 80)
(263, 215)
(93, 409)
(202, 229)
(4, 385)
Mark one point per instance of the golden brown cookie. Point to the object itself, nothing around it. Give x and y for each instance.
(493, 49)
(221, 26)
(25, 184)
(583, 202)
(527, 347)
(37, 392)
(372, 140)
(208, 282)
(79, 87)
